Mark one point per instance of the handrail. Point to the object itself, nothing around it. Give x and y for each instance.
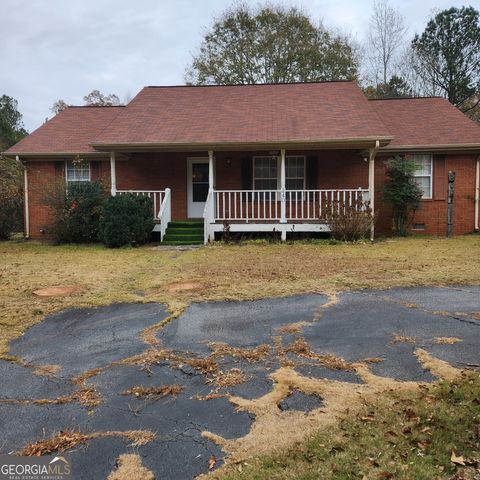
(165, 214)
(208, 215)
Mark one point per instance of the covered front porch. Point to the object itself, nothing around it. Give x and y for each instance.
(283, 191)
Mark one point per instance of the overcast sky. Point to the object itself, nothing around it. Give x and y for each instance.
(53, 49)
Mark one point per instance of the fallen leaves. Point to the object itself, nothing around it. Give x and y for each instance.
(457, 460)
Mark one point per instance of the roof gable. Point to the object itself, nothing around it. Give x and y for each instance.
(263, 113)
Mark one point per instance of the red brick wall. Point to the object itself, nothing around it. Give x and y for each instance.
(433, 213)
(44, 177)
(336, 169)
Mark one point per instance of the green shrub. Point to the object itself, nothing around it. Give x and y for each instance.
(7, 219)
(126, 220)
(402, 192)
(76, 211)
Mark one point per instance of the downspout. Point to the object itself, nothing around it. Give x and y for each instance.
(371, 185)
(477, 193)
(25, 193)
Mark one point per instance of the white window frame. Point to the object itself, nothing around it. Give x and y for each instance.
(278, 169)
(304, 170)
(71, 162)
(422, 175)
(265, 178)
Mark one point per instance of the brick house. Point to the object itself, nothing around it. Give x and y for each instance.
(260, 157)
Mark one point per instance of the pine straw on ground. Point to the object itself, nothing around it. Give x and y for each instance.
(228, 378)
(85, 394)
(68, 439)
(399, 338)
(302, 348)
(238, 272)
(154, 392)
(249, 354)
(447, 340)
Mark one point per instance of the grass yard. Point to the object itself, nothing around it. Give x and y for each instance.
(218, 272)
(432, 433)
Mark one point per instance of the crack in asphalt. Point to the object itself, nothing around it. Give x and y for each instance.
(171, 415)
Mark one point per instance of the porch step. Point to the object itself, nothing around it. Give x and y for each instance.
(188, 232)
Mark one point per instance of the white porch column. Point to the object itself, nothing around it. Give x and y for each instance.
(371, 184)
(211, 177)
(113, 175)
(283, 195)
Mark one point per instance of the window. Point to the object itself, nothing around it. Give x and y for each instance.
(265, 173)
(423, 173)
(295, 173)
(77, 171)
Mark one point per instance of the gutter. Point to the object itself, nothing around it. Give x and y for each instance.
(224, 145)
(460, 147)
(25, 193)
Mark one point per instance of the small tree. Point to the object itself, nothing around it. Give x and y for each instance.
(11, 197)
(402, 192)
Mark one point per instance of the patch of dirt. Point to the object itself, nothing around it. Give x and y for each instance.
(447, 340)
(250, 354)
(68, 439)
(129, 467)
(180, 287)
(399, 338)
(154, 392)
(302, 348)
(57, 291)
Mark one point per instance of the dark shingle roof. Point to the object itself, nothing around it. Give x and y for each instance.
(426, 121)
(71, 131)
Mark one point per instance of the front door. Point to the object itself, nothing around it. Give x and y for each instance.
(197, 186)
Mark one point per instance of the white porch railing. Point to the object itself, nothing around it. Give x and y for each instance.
(156, 196)
(300, 205)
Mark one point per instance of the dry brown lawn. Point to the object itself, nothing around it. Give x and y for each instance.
(217, 272)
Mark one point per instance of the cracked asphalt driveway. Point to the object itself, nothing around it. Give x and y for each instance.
(90, 370)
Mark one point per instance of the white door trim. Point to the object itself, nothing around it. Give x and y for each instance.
(194, 209)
